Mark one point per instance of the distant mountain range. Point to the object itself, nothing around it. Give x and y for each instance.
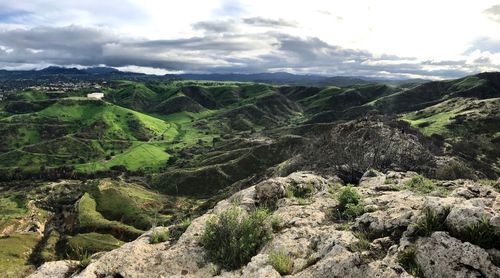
(279, 78)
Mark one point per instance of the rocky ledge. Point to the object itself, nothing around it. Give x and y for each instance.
(408, 226)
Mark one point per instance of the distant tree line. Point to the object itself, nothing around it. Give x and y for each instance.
(64, 172)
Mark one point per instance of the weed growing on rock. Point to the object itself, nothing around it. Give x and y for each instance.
(159, 236)
(276, 223)
(281, 261)
(233, 237)
(84, 258)
(419, 184)
(300, 191)
(363, 242)
(407, 259)
(177, 230)
(430, 221)
(481, 233)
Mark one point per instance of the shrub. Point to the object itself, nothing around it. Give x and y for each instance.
(281, 261)
(159, 236)
(430, 221)
(454, 170)
(350, 203)
(408, 261)
(233, 238)
(420, 184)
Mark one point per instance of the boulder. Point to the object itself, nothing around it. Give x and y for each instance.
(57, 269)
(442, 256)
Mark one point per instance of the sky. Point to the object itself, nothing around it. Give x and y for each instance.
(383, 38)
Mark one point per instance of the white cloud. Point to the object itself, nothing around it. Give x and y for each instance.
(425, 35)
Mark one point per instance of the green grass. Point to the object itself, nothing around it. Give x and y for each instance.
(89, 219)
(91, 243)
(435, 124)
(178, 229)
(14, 254)
(159, 236)
(407, 259)
(139, 156)
(481, 233)
(363, 242)
(420, 184)
(11, 208)
(128, 203)
(72, 130)
(281, 262)
(430, 221)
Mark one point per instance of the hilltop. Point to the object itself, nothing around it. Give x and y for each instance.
(79, 172)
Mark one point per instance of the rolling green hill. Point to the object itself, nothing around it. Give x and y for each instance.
(100, 172)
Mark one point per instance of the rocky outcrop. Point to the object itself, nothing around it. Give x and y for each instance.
(320, 244)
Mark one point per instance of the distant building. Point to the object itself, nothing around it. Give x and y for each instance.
(95, 95)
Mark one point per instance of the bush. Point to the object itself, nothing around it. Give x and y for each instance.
(420, 184)
(350, 203)
(430, 221)
(159, 236)
(233, 238)
(281, 261)
(454, 170)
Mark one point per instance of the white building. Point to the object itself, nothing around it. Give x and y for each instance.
(95, 95)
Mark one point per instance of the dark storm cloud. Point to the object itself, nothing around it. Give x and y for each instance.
(493, 13)
(223, 53)
(267, 22)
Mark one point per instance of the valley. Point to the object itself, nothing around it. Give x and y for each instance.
(81, 176)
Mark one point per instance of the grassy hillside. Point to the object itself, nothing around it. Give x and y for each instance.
(155, 153)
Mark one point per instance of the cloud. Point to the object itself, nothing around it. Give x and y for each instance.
(485, 44)
(217, 26)
(221, 53)
(493, 13)
(267, 22)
